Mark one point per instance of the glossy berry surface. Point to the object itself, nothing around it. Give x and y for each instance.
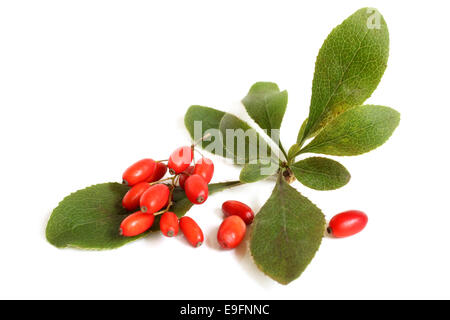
(191, 231)
(160, 172)
(169, 224)
(185, 174)
(237, 208)
(155, 198)
(205, 168)
(196, 189)
(132, 198)
(347, 223)
(180, 159)
(136, 223)
(231, 232)
(139, 172)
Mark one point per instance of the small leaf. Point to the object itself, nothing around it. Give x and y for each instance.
(258, 171)
(245, 144)
(209, 118)
(286, 233)
(293, 151)
(349, 67)
(356, 131)
(321, 173)
(90, 218)
(266, 105)
(301, 133)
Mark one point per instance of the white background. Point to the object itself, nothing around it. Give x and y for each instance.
(89, 87)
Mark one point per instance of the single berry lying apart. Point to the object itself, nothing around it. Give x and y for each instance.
(237, 208)
(136, 223)
(231, 232)
(191, 231)
(139, 172)
(169, 224)
(347, 223)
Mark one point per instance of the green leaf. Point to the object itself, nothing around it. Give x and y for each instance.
(321, 173)
(90, 218)
(266, 105)
(356, 131)
(253, 172)
(293, 151)
(301, 133)
(244, 145)
(210, 119)
(286, 233)
(349, 67)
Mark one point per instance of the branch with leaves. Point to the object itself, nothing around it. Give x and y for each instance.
(288, 229)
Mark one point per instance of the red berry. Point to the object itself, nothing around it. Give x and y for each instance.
(347, 223)
(139, 172)
(191, 231)
(136, 224)
(184, 175)
(160, 172)
(155, 198)
(196, 189)
(205, 168)
(169, 224)
(180, 159)
(132, 198)
(231, 232)
(236, 208)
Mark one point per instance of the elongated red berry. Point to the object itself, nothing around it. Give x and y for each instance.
(180, 159)
(196, 189)
(132, 198)
(347, 223)
(205, 168)
(155, 198)
(237, 208)
(191, 231)
(184, 175)
(139, 172)
(169, 224)
(231, 232)
(136, 224)
(160, 172)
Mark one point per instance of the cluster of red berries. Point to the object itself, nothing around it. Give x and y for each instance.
(154, 197)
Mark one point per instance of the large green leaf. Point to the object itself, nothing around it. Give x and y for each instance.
(242, 142)
(349, 67)
(253, 172)
(266, 105)
(286, 233)
(321, 173)
(209, 119)
(356, 131)
(90, 218)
